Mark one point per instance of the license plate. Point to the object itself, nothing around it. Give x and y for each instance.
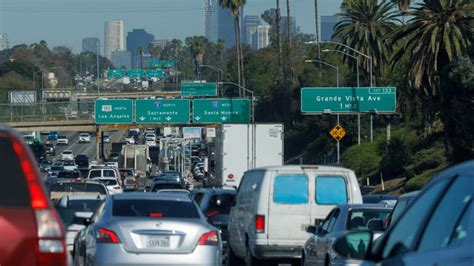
(158, 242)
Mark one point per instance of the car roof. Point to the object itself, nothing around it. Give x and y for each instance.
(462, 168)
(369, 206)
(83, 197)
(410, 194)
(301, 168)
(152, 196)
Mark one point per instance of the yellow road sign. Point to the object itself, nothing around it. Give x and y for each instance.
(338, 132)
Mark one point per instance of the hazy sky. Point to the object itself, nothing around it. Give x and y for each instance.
(66, 22)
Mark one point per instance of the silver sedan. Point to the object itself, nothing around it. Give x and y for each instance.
(148, 229)
(318, 249)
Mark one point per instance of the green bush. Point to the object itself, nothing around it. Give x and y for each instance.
(420, 180)
(425, 160)
(364, 159)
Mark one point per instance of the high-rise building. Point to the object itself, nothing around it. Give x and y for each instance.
(263, 33)
(327, 27)
(91, 44)
(249, 33)
(210, 20)
(135, 39)
(161, 43)
(113, 37)
(284, 26)
(122, 59)
(219, 23)
(4, 41)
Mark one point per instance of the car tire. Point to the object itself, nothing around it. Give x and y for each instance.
(251, 260)
(231, 259)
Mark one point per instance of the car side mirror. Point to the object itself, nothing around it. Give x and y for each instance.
(354, 245)
(312, 229)
(86, 221)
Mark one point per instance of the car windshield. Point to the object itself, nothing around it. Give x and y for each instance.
(221, 203)
(68, 163)
(78, 187)
(154, 208)
(67, 152)
(56, 168)
(67, 214)
(69, 175)
(367, 219)
(166, 186)
(109, 182)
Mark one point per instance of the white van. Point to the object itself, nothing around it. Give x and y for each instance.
(274, 206)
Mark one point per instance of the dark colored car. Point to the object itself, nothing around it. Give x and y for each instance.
(114, 157)
(82, 161)
(436, 228)
(170, 177)
(215, 205)
(67, 174)
(31, 231)
(50, 149)
(167, 184)
(402, 204)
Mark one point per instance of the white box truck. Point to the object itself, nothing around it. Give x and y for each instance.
(241, 147)
(136, 157)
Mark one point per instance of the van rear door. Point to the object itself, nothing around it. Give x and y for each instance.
(289, 209)
(328, 189)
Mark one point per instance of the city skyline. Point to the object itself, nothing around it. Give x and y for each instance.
(185, 16)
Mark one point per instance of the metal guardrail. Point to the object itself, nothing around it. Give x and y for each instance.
(47, 111)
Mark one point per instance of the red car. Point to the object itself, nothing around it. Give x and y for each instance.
(31, 232)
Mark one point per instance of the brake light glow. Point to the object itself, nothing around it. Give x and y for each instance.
(212, 213)
(155, 214)
(209, 239)
(260, 224)
(107, 236)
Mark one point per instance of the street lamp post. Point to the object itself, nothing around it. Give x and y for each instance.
(327, 64)
(337, 115)
(98, 77)
(220, 72)
(358, 85)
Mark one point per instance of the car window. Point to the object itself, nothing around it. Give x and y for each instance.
(402, 204)
(221, 203)
(403, 235)
(154, 208)
(78, 187)
(109, 173)
(13, 190)
(290, 189)
(109, 182)
(361, 219)
(331, 190)
(166, 186)
(98, 212)
(460, 231)
(95, 174)
(440, 228)
(198, 198)
(325, 224)
(67, 213)
(333, 220)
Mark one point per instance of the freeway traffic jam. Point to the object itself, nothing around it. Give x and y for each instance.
(200, 196)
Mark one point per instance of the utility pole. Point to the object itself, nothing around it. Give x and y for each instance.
(98, 77)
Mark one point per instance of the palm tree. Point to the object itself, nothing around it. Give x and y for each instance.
(197, 45)
(155, 50)
(403, 5)
(438, 33)
(235, 6)
(366, 25)
(288, 23)
(140, 53)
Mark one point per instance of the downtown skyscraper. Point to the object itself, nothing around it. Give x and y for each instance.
(113, 37)
(219, 23)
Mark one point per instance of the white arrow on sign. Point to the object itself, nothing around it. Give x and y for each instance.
(168, 118)
(142, 118)
(224, 118)
(197, 118)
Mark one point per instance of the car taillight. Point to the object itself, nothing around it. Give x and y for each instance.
(117, 187)
(212, 213)
(107, 236)
(50, 248)
(209, 239)
(260, 223)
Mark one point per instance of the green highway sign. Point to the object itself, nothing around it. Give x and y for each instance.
(162, 111)
(198, 89)
(349, 100)
(154, 73)
(116, 73)
(113, 111)
(136, 73)
(221, 111)
(162, 64)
